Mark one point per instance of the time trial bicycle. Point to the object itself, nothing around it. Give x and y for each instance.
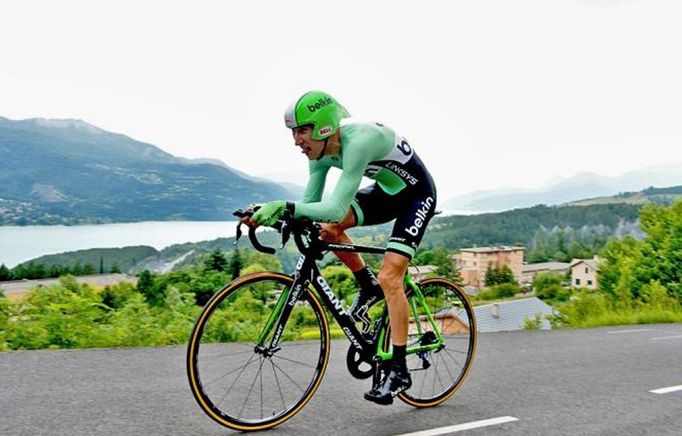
(260, 346)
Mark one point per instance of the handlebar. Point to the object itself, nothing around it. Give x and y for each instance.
(306, 233)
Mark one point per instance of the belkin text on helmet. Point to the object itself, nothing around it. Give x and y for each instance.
(320, 104)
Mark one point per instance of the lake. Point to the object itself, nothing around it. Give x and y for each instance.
(19, 244)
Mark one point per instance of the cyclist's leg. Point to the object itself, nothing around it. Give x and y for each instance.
(370, 206)
(391, 277)
(336, 232)
(408, 230)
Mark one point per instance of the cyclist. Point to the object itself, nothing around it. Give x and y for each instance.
(403, 190)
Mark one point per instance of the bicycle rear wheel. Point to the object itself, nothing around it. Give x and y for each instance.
(437, 375)
(248, 388)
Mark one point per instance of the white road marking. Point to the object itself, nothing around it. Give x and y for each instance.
(462, 427)
(617, 332)
(667, 390)
(663, 338)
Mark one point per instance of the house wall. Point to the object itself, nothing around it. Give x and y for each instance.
(474, 264)
(583, 276)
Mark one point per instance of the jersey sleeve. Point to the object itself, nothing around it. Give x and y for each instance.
(316, 181)
(334, 210)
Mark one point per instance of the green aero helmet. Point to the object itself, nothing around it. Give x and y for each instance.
(319, 109)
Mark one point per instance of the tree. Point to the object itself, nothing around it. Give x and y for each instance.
(236, 264)
(215, 261)
(145, 286)
(630, 266)
(491, 276)
(506, 275)
(499, 275)
(55, 271)
(547, 286)
(5, 273)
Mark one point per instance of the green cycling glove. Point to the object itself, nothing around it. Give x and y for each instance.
(269, 213)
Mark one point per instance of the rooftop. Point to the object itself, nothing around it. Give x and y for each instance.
(545, 266)
(592, 263)
(497, 249)
(510, 315)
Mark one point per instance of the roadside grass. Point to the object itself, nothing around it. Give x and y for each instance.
(620, 317)
(588, 309)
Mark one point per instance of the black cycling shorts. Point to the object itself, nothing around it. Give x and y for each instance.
(412, 210)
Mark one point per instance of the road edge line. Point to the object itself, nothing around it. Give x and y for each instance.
(462, 427)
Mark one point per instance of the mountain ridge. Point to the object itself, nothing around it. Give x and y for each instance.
(67, 171)
(578, 187)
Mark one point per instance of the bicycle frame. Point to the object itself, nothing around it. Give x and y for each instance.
(307, 271)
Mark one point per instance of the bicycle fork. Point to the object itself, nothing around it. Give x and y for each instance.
(279, 317)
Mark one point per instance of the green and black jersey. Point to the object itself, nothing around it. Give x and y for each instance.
(403, 186)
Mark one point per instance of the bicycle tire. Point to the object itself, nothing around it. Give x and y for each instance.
(455, 317)
(222, 345)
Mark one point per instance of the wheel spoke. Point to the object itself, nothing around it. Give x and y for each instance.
(447, 368)
(450, 351)
(435, 369)
(279, 387)
(246, 400)
(242, 368)
(294, 361)
(287, 376)
(213, 356)
(261, 393)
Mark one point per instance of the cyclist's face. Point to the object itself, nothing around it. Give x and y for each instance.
(310, 147)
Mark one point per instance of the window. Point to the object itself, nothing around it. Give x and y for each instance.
(586, 271)
(589, 282)
(577, 282)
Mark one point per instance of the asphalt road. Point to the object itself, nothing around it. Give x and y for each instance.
(578, 382)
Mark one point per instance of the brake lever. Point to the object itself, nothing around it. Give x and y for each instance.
(286, 233)
(240, 213)
(238, 235)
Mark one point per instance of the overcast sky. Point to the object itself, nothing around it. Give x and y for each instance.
(490, 93)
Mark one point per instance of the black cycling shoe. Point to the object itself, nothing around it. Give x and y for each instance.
(365, 299)
(397, 380)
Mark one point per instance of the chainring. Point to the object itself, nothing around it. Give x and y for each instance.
(355, 361)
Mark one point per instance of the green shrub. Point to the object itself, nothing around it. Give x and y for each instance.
(533, 323)
(504, 290)
(548, 287)
(593, 309)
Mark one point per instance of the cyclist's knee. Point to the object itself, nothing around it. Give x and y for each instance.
(391, 281)
(331, 232)
(392, 273)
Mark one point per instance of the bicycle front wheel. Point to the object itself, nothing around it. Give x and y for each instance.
(246, 387)
(438, 374)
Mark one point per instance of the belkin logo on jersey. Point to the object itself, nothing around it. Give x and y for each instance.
(322, 102)
(422, 214)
